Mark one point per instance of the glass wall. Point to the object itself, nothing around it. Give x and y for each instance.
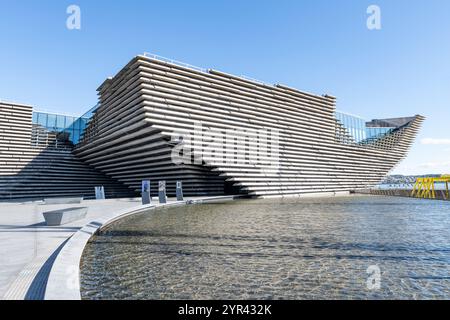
(377, 132)
(356, 127)
(59, 123)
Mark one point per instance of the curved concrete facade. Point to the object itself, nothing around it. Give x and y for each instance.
(150, 103)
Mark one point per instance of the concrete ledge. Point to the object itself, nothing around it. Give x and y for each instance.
(64, 216)
(74, 200)
(64, 278)
(308, 195)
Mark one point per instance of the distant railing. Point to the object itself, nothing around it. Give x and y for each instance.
(256, 80)
(40, 110)
(178, 63)
(203, 70)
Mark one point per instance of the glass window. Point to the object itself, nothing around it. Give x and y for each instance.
(76, 136)
(42, 119)
(51, 122)
(60, 122)
(74, 126)
(356, 127)
(70, 121)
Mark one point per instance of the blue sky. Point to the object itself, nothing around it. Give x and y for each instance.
(317, 46)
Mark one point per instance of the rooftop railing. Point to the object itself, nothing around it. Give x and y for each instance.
(175, 62)
(203, 70)
(256, 80)
(66, 114)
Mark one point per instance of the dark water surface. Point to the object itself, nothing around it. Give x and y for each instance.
(317, 248)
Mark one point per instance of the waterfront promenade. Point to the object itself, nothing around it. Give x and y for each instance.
(29, 247)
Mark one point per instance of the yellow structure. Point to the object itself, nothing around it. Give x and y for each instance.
(425, 187)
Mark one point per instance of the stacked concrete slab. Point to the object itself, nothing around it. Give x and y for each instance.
(151, 101)
(30, 170)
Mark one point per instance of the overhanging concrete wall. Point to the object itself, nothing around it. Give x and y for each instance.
(149, 100)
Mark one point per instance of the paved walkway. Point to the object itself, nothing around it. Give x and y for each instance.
(28, 247)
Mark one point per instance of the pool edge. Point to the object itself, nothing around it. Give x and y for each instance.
(64, 278)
